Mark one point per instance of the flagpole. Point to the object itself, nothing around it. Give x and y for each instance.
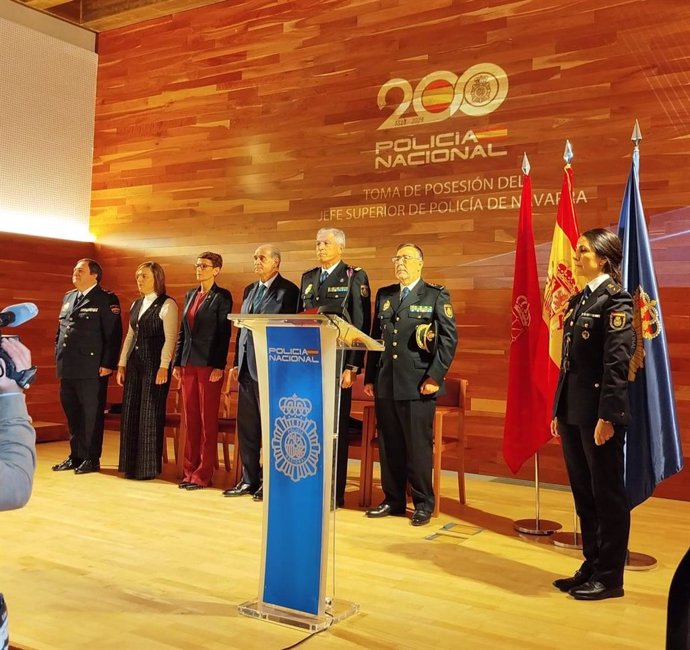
(638, 561)
(569, 538)
(536, 526)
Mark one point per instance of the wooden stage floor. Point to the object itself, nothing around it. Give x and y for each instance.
(98, 562)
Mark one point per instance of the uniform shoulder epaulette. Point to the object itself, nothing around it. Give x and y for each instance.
(316, 268)
(438, 287)
(355, 268)
(613, 288)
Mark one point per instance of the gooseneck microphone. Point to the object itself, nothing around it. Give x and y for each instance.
(16, 315)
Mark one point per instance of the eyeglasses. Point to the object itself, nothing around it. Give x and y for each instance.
(405, 259)
(203, 266)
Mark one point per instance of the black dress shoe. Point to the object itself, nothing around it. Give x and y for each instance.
(566, 584)
(194, 486)
(184, 485)
(66, 464)
(239, 490)
(259, 494)
(384, 510)
(87, 467)
(595, 590)
(420, 517)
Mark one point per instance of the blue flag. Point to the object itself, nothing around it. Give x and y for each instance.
(652, 450)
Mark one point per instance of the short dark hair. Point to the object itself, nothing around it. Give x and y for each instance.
(158, 275)
(94, 268)
(215, 259)
(607, 246)
(410, 245)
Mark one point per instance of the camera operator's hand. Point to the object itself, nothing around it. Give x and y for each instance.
(21, 357)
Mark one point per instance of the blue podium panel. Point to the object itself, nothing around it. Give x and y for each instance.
(295, 461)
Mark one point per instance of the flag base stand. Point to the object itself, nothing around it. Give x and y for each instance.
(334, 612)
(640, 562)
(536, 526)
(567, 539)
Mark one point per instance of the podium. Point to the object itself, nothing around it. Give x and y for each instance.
(297, 362)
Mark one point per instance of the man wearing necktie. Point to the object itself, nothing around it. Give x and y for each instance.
(271, 294)
(87, 345)
(337, 286)
(416, 322)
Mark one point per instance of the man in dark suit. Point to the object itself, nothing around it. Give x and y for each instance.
(87, 345)
(336, 285)
(200, 358)
(416, 322)
(270, 294)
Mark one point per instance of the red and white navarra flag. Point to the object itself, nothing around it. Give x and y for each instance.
(561, 282)
(526, 426)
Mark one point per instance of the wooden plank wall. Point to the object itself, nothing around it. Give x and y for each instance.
(240, 123)
(38, 270)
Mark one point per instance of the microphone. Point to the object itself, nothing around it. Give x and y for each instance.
(343, 305)
(16, 315)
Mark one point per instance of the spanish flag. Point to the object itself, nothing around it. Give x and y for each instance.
(561, 280)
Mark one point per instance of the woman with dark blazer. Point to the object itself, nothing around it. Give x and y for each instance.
(200, 359)
(144, 369)
(591, 410)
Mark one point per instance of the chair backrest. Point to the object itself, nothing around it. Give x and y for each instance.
(228, 397)
(174, 403)
(455, 395)
(358, 393)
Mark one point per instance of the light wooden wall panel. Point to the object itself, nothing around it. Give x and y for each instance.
(33, 269)
(228, 126)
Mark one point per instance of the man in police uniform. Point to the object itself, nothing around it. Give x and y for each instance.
(336, 285)
(270, 294)
(416, 322)
(87, 344)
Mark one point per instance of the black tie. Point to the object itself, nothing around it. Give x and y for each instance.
(258, 295)
(585, 297)
(405, 293)
(324, 277)
(80, 297)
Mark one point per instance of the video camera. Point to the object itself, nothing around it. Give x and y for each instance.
(14, 316)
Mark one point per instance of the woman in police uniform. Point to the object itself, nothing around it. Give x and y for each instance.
(591, 410)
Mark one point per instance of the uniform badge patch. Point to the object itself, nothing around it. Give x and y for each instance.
(448, 310)
(386, 305)
(307, 291)
(585, 335)
(115, 309)
(364, 290)
(617, 320)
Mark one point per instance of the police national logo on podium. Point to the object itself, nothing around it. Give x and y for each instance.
(295, 440)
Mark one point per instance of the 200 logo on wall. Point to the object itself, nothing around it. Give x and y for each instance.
(480, 90)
